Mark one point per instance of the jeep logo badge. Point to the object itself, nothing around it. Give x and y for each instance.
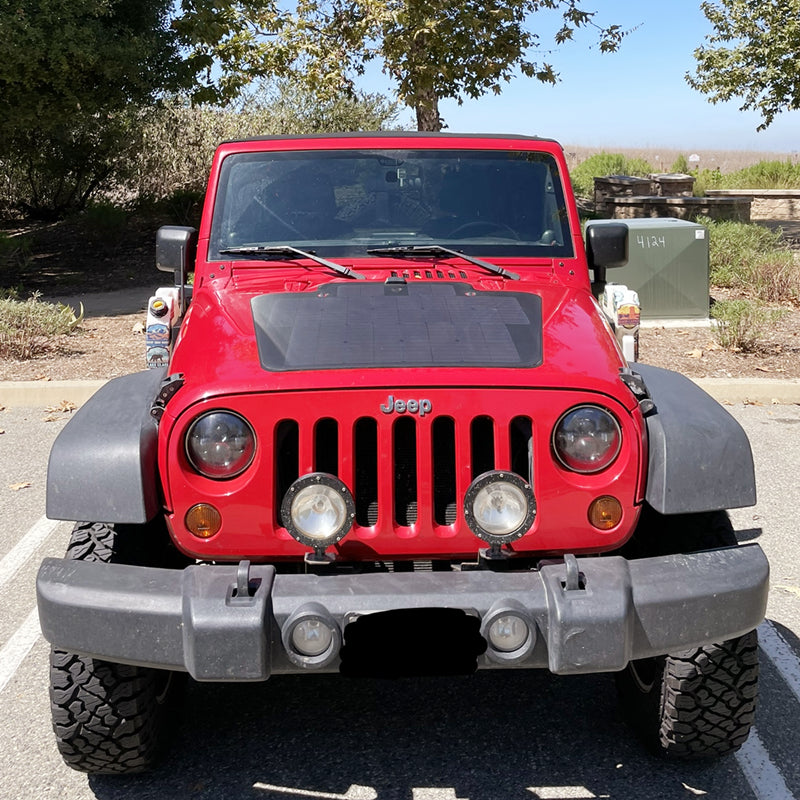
(421, 407)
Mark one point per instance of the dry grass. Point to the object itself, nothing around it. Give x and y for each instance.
(663, 158)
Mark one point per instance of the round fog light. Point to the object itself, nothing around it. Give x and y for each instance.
(605, 513)
(508, 633)
(318, 510)
(499, 507)
(311, 637)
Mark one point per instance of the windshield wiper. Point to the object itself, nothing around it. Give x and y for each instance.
(437, 251)
(275, 252)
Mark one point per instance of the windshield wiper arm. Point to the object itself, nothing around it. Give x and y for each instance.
(437, 251)
(273, 253)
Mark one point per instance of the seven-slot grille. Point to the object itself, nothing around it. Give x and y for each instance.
(403, 470)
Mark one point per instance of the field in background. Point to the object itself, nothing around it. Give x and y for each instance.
(662, 159)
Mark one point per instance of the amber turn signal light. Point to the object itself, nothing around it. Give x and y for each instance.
(203, 520)
(605, 513)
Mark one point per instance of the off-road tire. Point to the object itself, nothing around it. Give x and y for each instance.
(698, 703)
(111, 718)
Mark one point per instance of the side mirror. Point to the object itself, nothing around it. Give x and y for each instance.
(607, 245)
(176, 249)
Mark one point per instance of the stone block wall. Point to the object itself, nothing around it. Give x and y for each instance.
(766, 203)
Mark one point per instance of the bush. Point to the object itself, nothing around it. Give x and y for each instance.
(602, 164)
(31, 327)
(680, 165)
(752, 259)
(741, 323)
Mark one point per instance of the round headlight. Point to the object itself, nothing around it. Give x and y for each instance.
(587, 439)
(318, 510)
(220, 444)
(499, 507)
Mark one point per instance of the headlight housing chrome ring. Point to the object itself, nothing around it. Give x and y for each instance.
(499, 507)
(318, 510)
(587, 439)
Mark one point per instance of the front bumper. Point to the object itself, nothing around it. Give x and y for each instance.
(199, 619)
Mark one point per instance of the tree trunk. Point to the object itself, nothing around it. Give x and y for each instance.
(427, 108)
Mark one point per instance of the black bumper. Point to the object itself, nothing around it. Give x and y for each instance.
(197, 620)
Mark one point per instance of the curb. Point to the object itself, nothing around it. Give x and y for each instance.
(754, 391)
(33, 394)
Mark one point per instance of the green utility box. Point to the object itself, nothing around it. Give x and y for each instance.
(667, 266)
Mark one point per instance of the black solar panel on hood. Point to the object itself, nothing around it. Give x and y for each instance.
(363, 326)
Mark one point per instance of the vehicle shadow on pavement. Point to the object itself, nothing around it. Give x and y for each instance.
(492, 736)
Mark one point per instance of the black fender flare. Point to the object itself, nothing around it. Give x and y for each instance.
(699, 456)
(103, 465)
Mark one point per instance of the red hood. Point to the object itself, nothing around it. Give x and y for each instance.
(219, 353)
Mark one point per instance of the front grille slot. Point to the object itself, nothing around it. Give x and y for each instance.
(521, 445)
(482, 445)
(404, 448)
(366, 471)
(287, 460)
(326, 446)
(445, 503)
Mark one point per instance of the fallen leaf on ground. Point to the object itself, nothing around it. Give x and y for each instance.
(138, 328)
(692, 789)
(42, 378)
(763, 369)
(696, 353)
(15, 487)
(65, 407)
(752, 403)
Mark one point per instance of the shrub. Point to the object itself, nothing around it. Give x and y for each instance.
(739, 251)
(775, 276)
(104, 222)
(741, 323)
(602, 164)
(680, 165)
(30, 327)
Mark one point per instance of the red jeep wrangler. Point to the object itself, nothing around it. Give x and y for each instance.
(389, 431)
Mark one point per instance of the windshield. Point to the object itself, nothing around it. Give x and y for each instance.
(345, 202)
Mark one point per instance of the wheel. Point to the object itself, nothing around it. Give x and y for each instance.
(107, 717)
(698, 703)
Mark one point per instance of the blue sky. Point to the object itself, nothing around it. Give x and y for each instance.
(637, 97)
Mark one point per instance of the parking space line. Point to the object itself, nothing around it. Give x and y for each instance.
(774, 646)
(18, 646)
(25, 548)
(763, 776)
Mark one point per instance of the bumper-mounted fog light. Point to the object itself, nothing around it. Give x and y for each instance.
(318, 510)
(311, 637)
(499, 507)
(509, 631)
